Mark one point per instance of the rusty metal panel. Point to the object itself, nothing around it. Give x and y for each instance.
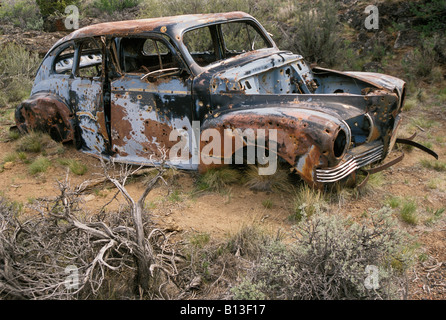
(143, 115)
(87, 97)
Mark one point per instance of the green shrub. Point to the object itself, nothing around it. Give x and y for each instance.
(393, 202)
(41, 164)
(423, 61)
(199, 239)
(247, 290)
(306, 203)
(175, 196)
(434, 164)
(111, 6)
(430, 15)
(21, 13)
(17, 71)
(408, 212)
(435, 215)
(201, 254)
(350, 59)
(409, 104)
(249, 242)
(10, 157)
(14, 156)
(75, 166)
(34, 142)
(315, 31)
(13, 134)
(434, 183)
(52, 7)
(331, 259)
(267, 203)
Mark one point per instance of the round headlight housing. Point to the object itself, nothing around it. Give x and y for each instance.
(340, 143)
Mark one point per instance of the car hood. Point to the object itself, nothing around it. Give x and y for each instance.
(228, 73)
(382, 81)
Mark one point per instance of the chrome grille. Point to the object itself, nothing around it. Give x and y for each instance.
(351, 163)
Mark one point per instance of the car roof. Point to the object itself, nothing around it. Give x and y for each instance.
(173, 25)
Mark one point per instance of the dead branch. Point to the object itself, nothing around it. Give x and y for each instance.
(34, 254)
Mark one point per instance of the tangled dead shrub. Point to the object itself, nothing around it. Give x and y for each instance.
(36, 252)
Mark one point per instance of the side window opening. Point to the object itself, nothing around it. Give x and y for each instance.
(240, 37)
(64, 61)
(221, 41)
(144, 55)
(90, 60)
(200, 46)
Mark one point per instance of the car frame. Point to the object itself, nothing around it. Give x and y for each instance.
(327, 124)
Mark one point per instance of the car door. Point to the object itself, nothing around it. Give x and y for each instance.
(149, 100)
(87, 95)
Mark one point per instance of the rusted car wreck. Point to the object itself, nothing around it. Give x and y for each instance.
(119, 89)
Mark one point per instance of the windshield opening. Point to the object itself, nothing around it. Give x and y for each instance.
(222, 41)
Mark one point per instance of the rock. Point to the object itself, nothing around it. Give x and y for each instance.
(104, 192)
(171, 226)
(362, 37)
(195, 283)
(372, 66)
(90, 197)
(54, 24)
(8, 165)
(406, 38)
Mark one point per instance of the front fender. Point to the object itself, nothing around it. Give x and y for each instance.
(305, 138)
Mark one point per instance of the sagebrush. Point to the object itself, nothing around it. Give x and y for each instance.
(17, 69)
(329, 260)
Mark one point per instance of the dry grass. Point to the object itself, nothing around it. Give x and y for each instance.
(277, 182)
(218, 179)
(307, 202)
(41, 164)
(34, 142)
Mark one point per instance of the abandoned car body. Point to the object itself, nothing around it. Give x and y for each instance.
(119, 89)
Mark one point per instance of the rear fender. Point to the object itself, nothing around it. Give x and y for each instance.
(46, 113)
